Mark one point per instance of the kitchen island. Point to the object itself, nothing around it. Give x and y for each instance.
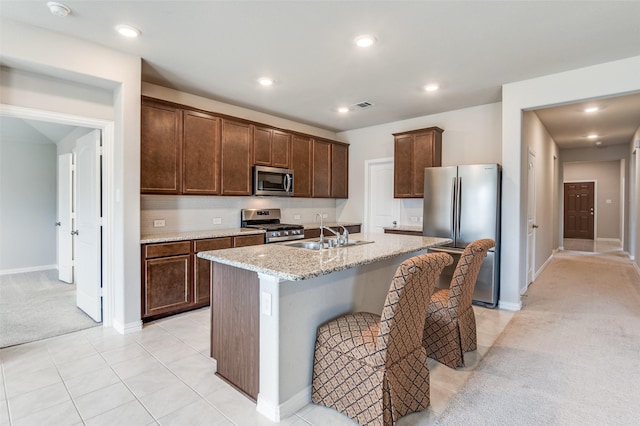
(267, 302)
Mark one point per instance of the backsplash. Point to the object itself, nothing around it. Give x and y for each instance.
(198, 213)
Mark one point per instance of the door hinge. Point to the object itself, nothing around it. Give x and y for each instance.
(100, 221)
(99, 150)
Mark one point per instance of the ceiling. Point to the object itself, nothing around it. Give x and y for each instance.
(32, 131)
(219, 49)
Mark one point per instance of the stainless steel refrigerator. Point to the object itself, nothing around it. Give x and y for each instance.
(463, 203)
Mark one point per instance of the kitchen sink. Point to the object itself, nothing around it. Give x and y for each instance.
(328, 243)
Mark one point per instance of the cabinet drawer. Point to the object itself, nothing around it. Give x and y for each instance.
(166, 249)
(213, 244)
(248, 240)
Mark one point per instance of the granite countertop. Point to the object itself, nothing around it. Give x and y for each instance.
(197, 235)
(411, 228)
(294, 264)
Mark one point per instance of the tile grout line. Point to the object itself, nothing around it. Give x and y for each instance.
(6, 395)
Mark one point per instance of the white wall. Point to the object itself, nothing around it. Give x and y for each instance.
(27, 205)
(612, 78)
(634, 189)
(536, 137)
(195, 213)
(43, 52)
(471, 135)
(606, 174)
(182, 98)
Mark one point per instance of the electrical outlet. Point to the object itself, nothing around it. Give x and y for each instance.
(325, 215)
(414, 219)
(296, 217)
(158, 223)
(217, 220)
(266, 304)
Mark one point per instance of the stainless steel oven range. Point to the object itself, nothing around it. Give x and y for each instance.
(269, 220)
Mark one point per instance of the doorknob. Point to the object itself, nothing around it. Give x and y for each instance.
(74, 232)
(58, 224)
(534, 226)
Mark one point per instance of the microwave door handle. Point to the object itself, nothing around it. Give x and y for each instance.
(287, 182)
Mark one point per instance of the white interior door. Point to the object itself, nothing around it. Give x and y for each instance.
(382, 207)
(65, 218)
(531, 217)
(88, 232)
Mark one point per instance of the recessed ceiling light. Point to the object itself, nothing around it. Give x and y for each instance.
(58, 9)
(598, 143)
(431, 87)
(593, 136)
(343, 110)
(266, 81)
(128, 31)
(591, 109)
(365, 40)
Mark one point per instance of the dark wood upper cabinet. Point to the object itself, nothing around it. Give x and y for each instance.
(236, 156)
(281, 149)
(321, 177)
(301, 163)
(185, 151)
(339, 171)
(413, 151)
(161, 148)
(200, 153)
(271, 147)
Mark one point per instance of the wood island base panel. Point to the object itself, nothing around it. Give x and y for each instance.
(275, 297)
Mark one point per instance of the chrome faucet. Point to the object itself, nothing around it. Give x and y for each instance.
(339, 240)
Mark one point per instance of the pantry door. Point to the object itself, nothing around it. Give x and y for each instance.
(579, 203)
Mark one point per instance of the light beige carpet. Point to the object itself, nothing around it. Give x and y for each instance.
(35, 305)
(570, 357)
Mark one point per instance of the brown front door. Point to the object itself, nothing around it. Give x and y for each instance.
(578, 210)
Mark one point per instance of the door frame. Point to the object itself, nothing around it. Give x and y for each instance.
(108, 194)
(368, 164)
(595, 205)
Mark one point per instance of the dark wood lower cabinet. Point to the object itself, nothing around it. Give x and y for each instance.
(403, 232)
(235, 327)
(175, 279)
(315, 232)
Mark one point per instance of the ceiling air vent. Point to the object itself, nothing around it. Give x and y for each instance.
(363, 104)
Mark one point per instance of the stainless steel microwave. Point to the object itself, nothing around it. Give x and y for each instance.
(272, 181)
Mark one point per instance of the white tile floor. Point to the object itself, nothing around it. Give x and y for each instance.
(163, 375)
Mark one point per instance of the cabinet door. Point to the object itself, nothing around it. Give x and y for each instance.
(262, 142)
(301, 163)
(236, 158)
(280, 149)
(422, 157)
(402, 166)
(200, 153)
(321, 169)
(339, 171)
(167, 285)
(160, 148)
(202, 268)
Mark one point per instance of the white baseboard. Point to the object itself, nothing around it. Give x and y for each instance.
(288, 408)
(508, 306)
(29, 269)
(544, 265)
(614, 240)
(635, 265)
(127, 328)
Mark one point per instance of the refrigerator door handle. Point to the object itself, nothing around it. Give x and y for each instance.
(458, 207)
(453, 207)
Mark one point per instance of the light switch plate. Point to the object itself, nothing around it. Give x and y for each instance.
(158, 223)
